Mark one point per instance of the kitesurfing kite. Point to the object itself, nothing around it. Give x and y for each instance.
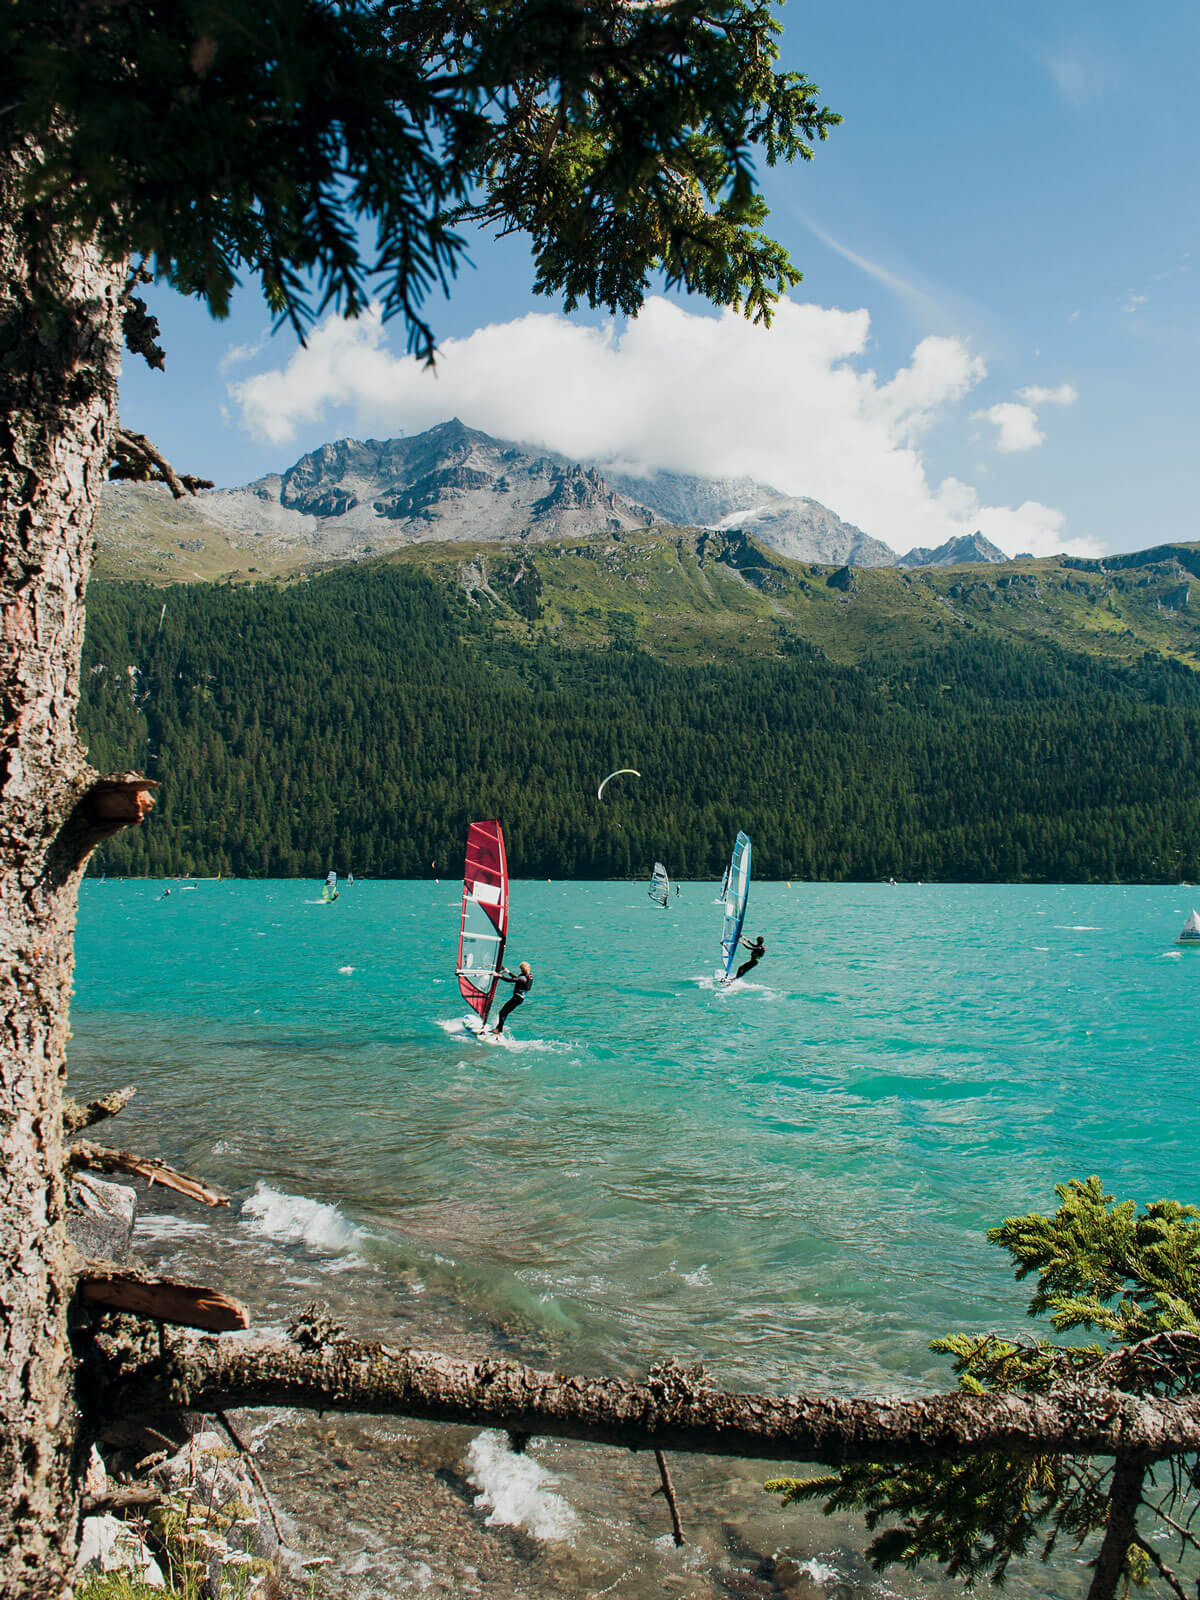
(484, 926)
(734, 898)
(619, 773)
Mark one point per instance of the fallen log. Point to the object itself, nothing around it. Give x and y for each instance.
(675, 1409)
(76, 1117)
(189, 1305)
(100, 1158)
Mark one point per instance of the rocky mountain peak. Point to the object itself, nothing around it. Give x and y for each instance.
(955, 552)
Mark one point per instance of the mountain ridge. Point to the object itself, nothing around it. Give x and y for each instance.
(351, 499)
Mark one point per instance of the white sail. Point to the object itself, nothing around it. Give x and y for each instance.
(660, 885)
(1190, 933)
(735, 900)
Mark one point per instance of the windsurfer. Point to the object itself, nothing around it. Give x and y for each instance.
(522, 982)
(757, 950)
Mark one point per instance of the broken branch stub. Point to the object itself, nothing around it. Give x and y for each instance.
(76, 1117)
(189, 1305)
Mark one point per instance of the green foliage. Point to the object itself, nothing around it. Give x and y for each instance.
(1133, 1275)
(264, 135)
(1108, 1266)
(362, 718)
(121, 1585)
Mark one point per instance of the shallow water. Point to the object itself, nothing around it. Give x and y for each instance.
(791, 1180)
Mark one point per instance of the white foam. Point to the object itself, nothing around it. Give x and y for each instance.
(346, 970)
(459, 1027)
(732, 986)
(295, 1219)
(163, 1225)
(516, 1489)
(698, 1279)
(820, 1571)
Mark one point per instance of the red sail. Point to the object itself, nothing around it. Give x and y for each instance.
(484, 926)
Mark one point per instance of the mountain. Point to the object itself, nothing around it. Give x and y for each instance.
(451, 482)
(955, 552)
(800, 528)
(357, 498)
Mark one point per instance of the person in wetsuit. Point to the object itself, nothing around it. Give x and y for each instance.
(757, 950)
(522, 982)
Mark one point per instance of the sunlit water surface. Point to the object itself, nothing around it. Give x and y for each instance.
(790, 1181)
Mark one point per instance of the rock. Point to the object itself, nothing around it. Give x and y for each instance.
(108, 1544)
(842, 579)
(100, 1218)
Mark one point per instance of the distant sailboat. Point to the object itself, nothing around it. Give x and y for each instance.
(660, 886)
(1190, 933)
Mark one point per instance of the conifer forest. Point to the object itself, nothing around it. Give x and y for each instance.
(360, 719)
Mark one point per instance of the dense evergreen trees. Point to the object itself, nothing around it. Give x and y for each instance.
(360, 720)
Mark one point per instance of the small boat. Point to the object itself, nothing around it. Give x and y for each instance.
(1190, 933)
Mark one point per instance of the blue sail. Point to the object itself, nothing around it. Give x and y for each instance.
(737, 893)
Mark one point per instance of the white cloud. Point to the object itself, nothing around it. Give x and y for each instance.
(237, 354)
(1134, 302)
(1035, 395)
(790, 406)
(1017, 424)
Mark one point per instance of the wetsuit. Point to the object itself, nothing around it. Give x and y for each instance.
(757, 950)
(522, 984)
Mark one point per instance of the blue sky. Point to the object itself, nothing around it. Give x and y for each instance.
(999, 322)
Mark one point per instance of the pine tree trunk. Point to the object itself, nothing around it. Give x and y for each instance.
(1124, 1498)
(60, 320)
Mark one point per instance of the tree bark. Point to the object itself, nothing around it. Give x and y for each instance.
(60, 318)
(676, 1409)
(1124, 1498)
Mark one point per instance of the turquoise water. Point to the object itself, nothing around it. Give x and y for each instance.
(791, 1180)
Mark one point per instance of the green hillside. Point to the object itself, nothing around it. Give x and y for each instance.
(1036, 720)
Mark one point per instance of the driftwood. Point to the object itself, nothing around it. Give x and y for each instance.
(121, 1500)
(676, 1409)
(99, 1158)
(76, 1117)
(160, 1299)
(667, 1490)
